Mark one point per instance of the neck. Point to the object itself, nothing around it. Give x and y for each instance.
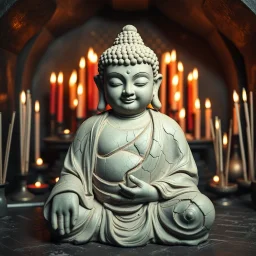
(136, 116)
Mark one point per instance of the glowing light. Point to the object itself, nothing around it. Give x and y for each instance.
(37, 106)
(38, 184)
(197, 104)
(177, 96)
(53, 78)
(60, 78)
(244, 95)
(207, 103)
(173, 55)
(39, 161)
(235, 96)
(167, 59)
(75, 102)
(66, 131)
(182, 113)
(23, 97)
(217, 124)
(82, 62)
(180, 67)
(225, 139)
(73, 78)
(175, 80)
(195, 73)
(190, 76)
(57, 179)
(216, 179)
(80, 89)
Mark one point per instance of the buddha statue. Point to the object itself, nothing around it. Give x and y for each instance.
(129, 177)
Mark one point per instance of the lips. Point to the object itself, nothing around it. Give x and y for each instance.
(127, 100)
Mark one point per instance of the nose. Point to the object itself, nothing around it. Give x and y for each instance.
(128, 89)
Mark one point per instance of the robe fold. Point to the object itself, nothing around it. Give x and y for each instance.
(182, 216)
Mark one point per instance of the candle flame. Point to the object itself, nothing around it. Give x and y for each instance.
(73, 78)
(90, 53)
(177, 96)
(225, 139)
(197, 104)
(82, 62)
(216, 179)
(37, 106)
(190, 76)
(195, 73)
(94, 58)
(180, 67)
(66, 131)
(173, 55)
(182, 113)
(235, 97)
(244, 95)
(175, 80)
(23, 97)
(53, 78)
(57, 179)
(217, 124)
(38, 184)
(39, 161)
(60, 78)
(80, 89)
(167, 59)
(75, 102)
(207, 103)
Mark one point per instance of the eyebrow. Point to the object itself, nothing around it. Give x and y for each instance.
(115, 74)
(145, 74)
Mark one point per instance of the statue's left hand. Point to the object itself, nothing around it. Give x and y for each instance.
(143, 193)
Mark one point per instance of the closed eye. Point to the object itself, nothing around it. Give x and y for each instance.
(140, 84)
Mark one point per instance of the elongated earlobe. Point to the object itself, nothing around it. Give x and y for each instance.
(155, 100)
(102, 102)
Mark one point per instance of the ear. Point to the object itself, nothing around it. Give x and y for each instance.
(102, 102)
(155, 100)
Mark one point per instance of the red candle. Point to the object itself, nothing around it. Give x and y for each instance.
(93, 94)
(172, 72)
(60, 98)
(53, 94)
(82, 80)
(72, 89)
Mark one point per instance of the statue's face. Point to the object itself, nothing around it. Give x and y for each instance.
(129, 89)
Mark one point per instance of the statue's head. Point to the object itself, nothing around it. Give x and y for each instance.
(128, 77)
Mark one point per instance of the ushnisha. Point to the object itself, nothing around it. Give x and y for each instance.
(129, 177)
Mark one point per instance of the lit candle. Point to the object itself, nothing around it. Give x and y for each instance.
(72, 89)
(197, 120)
(182, 123)
(248, 134)
(80, 106)
(208, 117)
(82, 81)
(195, 85)
(216, 179)
(93, 94)
(37, 130)
(57, 179)
(60, 98)
(181, 84)
(53, 94)
(190, 103)
(225, 140)
(217, 146)
(172, 87)
(22, 127)
(38, 184)
(165, 60)
(39, 161)
(174, 101)
(236, 100)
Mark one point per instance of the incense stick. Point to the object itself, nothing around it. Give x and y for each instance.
(252, 133)
(7, 152)
(1, 161)
(228, 152)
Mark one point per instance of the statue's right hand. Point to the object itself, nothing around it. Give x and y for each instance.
(64, 213)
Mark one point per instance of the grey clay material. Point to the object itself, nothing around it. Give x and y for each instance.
(129, 177)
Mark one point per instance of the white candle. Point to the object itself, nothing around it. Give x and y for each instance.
(37, 130)
(208, 117)
(236, 100)
(195, 85)
(217, 145)
(182, 120)
(22, 128)
(197, 120)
